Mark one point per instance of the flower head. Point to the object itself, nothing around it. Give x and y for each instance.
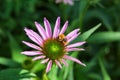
(52, 47)
(70, 2)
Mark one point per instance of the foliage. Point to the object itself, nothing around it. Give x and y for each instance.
(98, 20)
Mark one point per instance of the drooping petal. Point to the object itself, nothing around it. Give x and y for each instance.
(64, 28)
(74, 59)
(64, 62)
(68, 36)
(57, 62)
(72, 38)
(47, 28)
(75, 44)
(45, 60)
(56, 28)
(33, 36)
(49, 66)
(41, 30)
(31, 45)
(74, 49)
(32, 53)
(38, 57)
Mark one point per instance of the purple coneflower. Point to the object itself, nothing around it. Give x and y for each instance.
(52, 47)
(70, 2)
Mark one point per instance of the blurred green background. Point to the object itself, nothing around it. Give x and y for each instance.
(102, 50)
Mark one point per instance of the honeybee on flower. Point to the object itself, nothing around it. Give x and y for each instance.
(52, 47)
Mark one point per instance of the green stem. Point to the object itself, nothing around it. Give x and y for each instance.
(82, 13)
(104, 72)
(44, 77)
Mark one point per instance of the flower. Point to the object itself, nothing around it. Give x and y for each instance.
(70, 2)
(52, 47)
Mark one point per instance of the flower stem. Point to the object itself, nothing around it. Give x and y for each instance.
(44, 77)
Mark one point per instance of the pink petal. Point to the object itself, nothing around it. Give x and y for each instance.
(71, 34)
(58, 1)
(72, 38)
(39, 39)
(33, 39)
(47, 28)
(44, 61)
(57, 62)
(64, 62)
(39, 57)
(57, 28)
(31, 45)
(74, 59)
(74, 49)
(49, 66)
(41, 30)
(33, 36)
(65, 1)
(75, 44)
(69, 2)
(32, 53)
(64, 28)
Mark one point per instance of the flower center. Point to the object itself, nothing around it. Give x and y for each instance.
(53, 49)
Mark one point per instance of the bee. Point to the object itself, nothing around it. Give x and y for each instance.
(62, 39)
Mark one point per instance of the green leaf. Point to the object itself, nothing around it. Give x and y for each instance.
(101, 15)
(94, 76)
(8, 7)
(17, 74)
(84, 5)
(45, 76)
(98, 52)
(103, 37)
(16, 50)
(104, 72)
(53, 73)
(8, 62)
(88, 33)
(37, 67)
(67, 71)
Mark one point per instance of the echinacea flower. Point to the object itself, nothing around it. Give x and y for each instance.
(52, 47)
(70, 2)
